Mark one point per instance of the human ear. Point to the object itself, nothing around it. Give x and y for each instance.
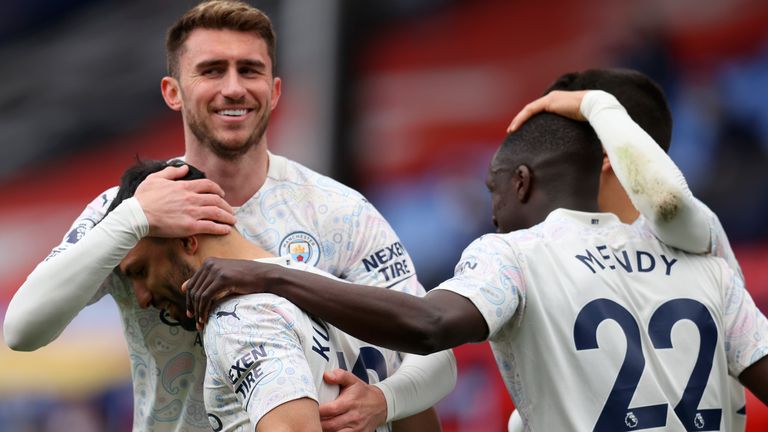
(523, 182)
(190, 244)
(606, 167)
(169, 87)
(276, 91)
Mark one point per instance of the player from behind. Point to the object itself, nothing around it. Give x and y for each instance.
(695, 228)
(266, 357)
(221, 59)
(649, 334)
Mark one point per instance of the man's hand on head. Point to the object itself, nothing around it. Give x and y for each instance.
(220, 278)
(564, 103)
(183, 208)
(359, 406)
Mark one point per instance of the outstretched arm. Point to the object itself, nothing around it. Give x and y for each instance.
(651, 179)
(390, 319)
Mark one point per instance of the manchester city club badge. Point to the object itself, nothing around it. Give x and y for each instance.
(302, 247)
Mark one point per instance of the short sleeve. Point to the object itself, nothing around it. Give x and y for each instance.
(256, 344)
(746, 328)
(490, 276)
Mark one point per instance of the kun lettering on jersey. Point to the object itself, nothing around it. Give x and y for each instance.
(246, 372)
(629, 261)
(321, 331)
(390, 261)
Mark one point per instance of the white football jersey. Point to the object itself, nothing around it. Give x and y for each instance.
(721, 247)
(297, 212)
(264, 351)
(596, 325)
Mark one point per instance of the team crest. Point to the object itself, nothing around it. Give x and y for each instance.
(302, 247)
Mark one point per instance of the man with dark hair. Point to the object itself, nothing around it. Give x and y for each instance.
(266, 357)
(646, 104)
(221, 79)
(540, 294)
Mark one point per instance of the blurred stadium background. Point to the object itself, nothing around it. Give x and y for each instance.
(404, 99)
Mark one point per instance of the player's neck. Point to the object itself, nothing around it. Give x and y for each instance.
(240, 178)
(613, 199)
(569, 202)
(230, 246)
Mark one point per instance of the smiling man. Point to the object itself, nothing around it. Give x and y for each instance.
(221, 57)
(266, 357)
(572, 300)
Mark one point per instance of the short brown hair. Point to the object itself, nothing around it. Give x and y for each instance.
(218, 15)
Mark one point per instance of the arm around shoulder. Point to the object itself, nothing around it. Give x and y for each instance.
(654, 184)
(62, 285)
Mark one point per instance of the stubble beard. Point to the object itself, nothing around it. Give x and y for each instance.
(227, 151)
(180, 273)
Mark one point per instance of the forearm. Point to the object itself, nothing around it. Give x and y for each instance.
(424, 421)
(755, 378)
(419, 383)
(382, 317)
(60, 287)
(653, 182)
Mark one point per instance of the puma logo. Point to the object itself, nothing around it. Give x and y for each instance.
(225, 313)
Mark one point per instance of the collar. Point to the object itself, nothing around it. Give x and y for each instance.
(277, 166)
(584, 218)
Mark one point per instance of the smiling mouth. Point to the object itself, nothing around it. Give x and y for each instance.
(233, 112)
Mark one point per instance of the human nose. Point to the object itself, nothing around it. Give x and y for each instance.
(143, 295)
(233, 87)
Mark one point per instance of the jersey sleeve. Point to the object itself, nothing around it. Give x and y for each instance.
(490, 276)
(255, 342)
(375, 255)
(720, 246)
(75, 274)
(651, 179)
(746, 328)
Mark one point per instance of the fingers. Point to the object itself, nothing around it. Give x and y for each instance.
(333, 408)
(203, 291)
(342, 423)
(207, 299)
(213, 200)
(341, 378)
(204, 186)
(198, 289)
(210, 227)
(527, 112)
(564, 103)
(171, 172)
(191, 286)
